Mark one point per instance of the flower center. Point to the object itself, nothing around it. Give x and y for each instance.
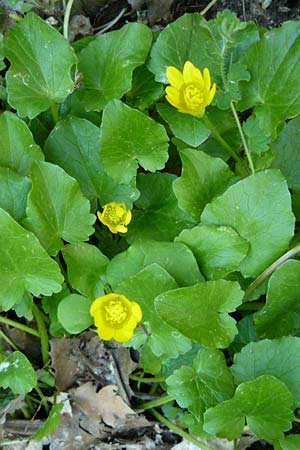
(115, 312)
(193, 95)
(114, 215)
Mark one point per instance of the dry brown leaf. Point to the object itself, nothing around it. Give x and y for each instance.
(64, 363)
(107, 405)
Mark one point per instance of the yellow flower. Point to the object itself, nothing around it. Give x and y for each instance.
(115, 216)
(115, 317)
(190, 91)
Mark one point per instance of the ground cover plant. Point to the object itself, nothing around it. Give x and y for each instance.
(149, 191)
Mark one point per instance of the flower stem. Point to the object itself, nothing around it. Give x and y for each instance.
(9, 341)
(207, 7)
(67, 18)
(42, 333)
(269, 270)
(179, 430)
(20, 326)
(219, 138)
(157, 402)
(247, 151)
(54, 112)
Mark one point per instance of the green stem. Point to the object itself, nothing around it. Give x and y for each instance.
(54, 112)
(178, 430)
(251, 306)
(247, 151)
(219, 138)
(148, 379)
(269, 270)
(42, 333)
(207, 7)
(17, 441)
(235, 443)
(25, 412)
(67, 18)
(43, 400)
(9, 341)
(157, 402)
(20, 326)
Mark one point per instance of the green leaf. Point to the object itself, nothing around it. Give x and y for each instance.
(56, 208)
(257, 140)
(218, 250)
(108, 61)
(174, 257)
(50, 424)
(2, 63)
(86, 268)
(130, 138)
(50, 305)
(202, 179)
(277, 357)
(290, 442)
(73, 313)
(157, 216)
(283, 298)
(231, 92)
(273, 92)
(14, 189)
(17, 147)
(222, 41)
(266, 403)
(189, 129)
(179, 42)
(259, 209)
(144, 90)
(198, 388)
(164, 341)
(25, 266)
(200, 312)
(148, 361)
(74, 144)
(41, 60)
(246, 333)
(287, 153)
(17, 373)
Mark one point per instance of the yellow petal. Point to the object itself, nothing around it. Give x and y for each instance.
(120, 229)
(94, 308)
(99, 214)
(211, 94)
(172, 96)
(206, 77)
(136, 311)
(191, 74)
(175, 77)
(128, 217)
(105, 333)
(112, 227)
(123, 334)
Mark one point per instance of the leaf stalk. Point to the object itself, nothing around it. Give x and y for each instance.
(247, 151)
(42, 333)
(178, 430)
(20, 326)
